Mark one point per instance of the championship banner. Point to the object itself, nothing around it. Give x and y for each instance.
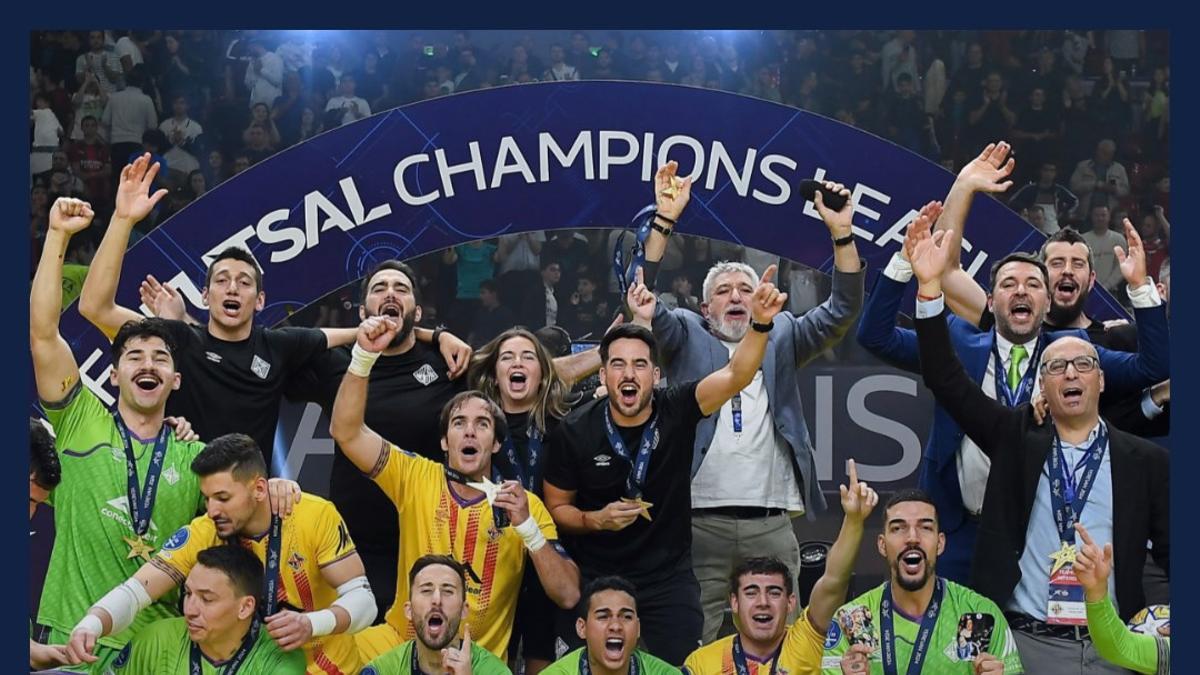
(546, 156)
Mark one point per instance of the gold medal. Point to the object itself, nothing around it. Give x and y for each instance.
(488, 488)
(642, 503)
(138, 548)
(1062, 557)
(672, 189)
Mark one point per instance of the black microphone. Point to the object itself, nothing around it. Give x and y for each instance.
(833, 200)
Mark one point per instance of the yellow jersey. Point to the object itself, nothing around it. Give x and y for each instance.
(800, 654)
(314, 537)
(435, 520)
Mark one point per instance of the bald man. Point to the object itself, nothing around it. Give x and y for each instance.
(1044, 478)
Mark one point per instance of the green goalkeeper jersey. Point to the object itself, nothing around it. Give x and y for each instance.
(164, 648)
(967, 624)
(92, 520)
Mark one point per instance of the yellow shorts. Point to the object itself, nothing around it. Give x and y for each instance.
(375, 641)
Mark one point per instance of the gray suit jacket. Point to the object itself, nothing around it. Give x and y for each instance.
(690, 352)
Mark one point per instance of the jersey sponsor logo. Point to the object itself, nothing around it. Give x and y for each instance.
(211, 356)
(602, 460)
(118, 509)
(295, 561)
(260, 367)
(833, 636)
(426, 375)
(178, 539)
(171, 475)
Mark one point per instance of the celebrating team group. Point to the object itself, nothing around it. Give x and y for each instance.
(481, 517)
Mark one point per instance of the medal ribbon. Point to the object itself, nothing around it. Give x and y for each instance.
(888, 631)
(141, 503)
(641, 464)
(1067, 498)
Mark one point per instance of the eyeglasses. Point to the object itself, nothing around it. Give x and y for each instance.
(1083, 364)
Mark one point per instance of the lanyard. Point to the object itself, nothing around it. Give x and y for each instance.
(271, 573)
(888, 632)
(232, 665)
(625, 277)
(1068, 495)
(141, 502)
(739, 658)
(735, 406)
(527, 478)
(1024, 391)
(641, 464)
(498, 514)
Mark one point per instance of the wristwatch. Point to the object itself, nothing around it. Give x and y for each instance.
(848, 239)
(761, 327)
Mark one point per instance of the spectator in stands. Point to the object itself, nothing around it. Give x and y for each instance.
(287, 111)
(899, 55)
(180, 74)
(1110, 100)
(468, 76)
(559, 69)
(765, 86)
(260, 116)
(129, 114)
(258, 146)
(1101, 240)
(907, 123)
(492, 318)
(1037, 130)
(131, 48)
(518, 275)
(604, 68)
(241, 162)
(91, 161)
(47, 134)
(473, 262)
(370, 78)
(551, 276)
(351, 106)
(1156, 239)
(1100, 181)
(181, 132)
(89, 101)
(1047, 195)
(680, 295)
(582, 314)
(971, 75)
(264, 74)
(989, 115)
(214, 168)
(104, 66)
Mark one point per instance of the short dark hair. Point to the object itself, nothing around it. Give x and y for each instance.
(488, 285)
(499, 423)
(444, 560)
(156, 138)
(236, 253)
(149, 327)
(904, 77)
(908, 495)
(136, 77)
(236, 453)
(43, 460)
(555, 339)
(399, 266)
(1066, 235)
(243, 568)
(599, 584)
(1021, 257)
(761, 566)
(631, 331)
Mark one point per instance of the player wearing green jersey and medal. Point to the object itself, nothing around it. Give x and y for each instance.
(918, 622)
(220, 632)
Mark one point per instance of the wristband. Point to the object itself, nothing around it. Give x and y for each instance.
(672, 221)
(761, 327)
(437, 335)
(323, 622)
(532, 534)
(927, 298)
(91, 624)
(361, 361)
(848, 239)
(664, 231)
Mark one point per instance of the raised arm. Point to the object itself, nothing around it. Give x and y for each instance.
(98, 298)
(719, 386)
(361, 445)
(829, 592)
(54, 366)
(671, 197)
(989, 423)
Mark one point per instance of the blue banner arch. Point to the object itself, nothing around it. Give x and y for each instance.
(546, 156)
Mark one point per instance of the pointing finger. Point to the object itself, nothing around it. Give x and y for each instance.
(853, 471)
(768, 275)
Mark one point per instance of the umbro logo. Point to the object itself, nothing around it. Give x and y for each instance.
(215, 358)
(602, 460)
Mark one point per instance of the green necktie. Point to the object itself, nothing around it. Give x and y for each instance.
(1016, 357)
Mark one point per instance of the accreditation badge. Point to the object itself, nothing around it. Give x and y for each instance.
(1066, 605)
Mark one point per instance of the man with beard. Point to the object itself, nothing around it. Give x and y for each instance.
(913, 622)
(436, 606)
(763, 597)
(233, 372)
(1046, 477)
(1002, 361)
(617, 474)
(609, 627)
(321, 595)
(460, 508)
(761, 430)
(409, 385)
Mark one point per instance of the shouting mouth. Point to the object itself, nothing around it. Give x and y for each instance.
(911, 561)
(147, 381)
(614, 648)
(628, 393)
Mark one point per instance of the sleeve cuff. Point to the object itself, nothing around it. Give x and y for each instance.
(1145, 296)
(930, 308)
(898, 269)
(1150, 409)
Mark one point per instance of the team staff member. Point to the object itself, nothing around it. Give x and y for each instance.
(763, 597)
(125, 479)
(882, 630)
(309, 554)
(1046, 477)
(517, 372)
(609, 627)
(761, 431)
(437, 605)
(45, 473)
(617, 478)
(233, 371)
(453, 508)
(219, 632)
